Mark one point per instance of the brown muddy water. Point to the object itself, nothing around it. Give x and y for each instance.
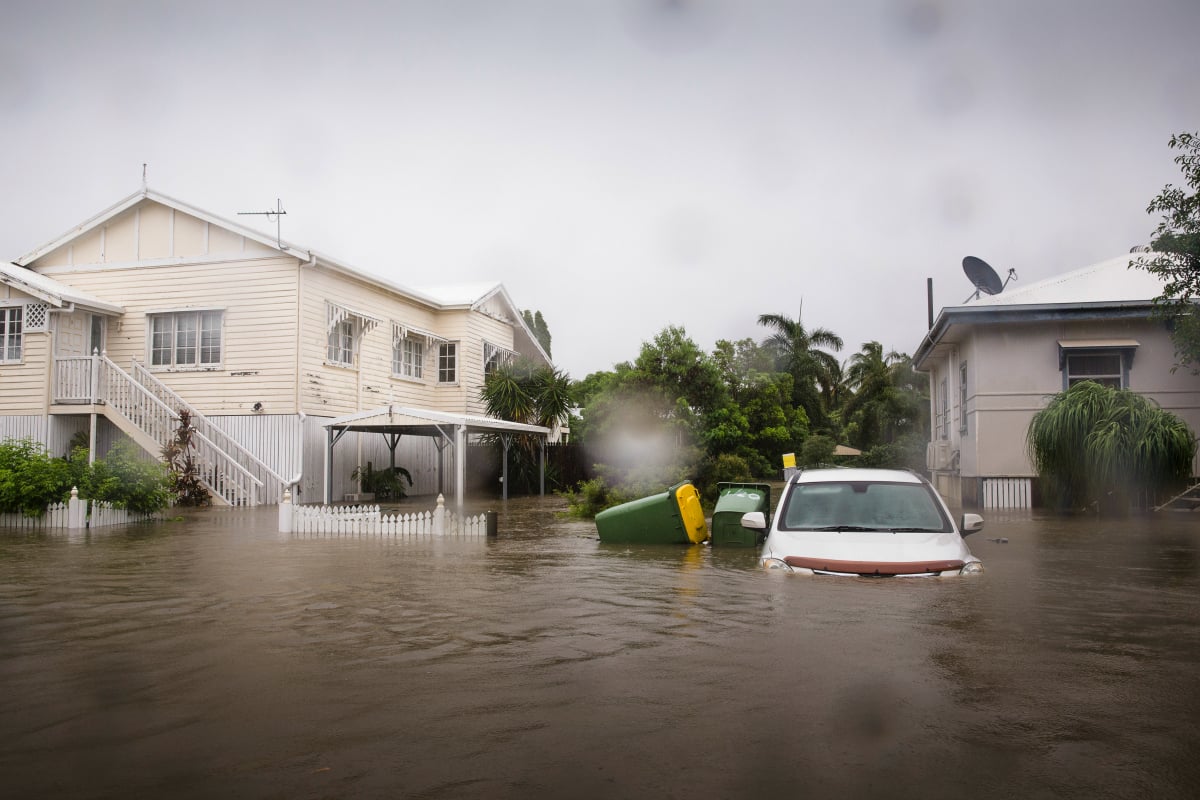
(210, 657)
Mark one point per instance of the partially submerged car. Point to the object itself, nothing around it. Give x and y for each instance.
(865, 522)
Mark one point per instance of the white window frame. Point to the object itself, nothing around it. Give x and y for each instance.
(408, 358)
(12, 333)
(962, 398)
(1073, 352)
(943, 410)
(184, 355)
(339, 349)
(447, 353)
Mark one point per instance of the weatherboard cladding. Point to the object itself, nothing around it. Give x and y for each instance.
(333, 390)
(24, 386)
(258, 300)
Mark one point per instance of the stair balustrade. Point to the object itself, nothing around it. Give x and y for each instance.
(97, 380)
(267, 478)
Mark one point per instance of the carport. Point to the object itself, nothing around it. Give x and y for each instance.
(445, 428)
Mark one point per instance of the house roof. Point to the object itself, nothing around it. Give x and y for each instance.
(466, 294)
(470, 296)
(51, 291)
(1106, 282)
(476, 295)
(1108, 289)
(280, 244)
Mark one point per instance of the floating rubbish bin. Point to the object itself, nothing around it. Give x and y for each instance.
(672, 517)
(734, 500)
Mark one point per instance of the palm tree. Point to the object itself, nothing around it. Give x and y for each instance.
(886, 398)
(1096, 445)
(815, 373)
(869, 378)
(530, 394)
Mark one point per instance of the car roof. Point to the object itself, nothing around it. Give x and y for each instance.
(842, 475)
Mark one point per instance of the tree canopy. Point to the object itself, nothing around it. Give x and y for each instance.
(1175, 254)
(537, 324)
(677, 412)
(816, 374)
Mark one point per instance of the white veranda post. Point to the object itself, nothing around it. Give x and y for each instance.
(460, 464)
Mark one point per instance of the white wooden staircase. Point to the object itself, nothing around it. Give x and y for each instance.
(147, 411)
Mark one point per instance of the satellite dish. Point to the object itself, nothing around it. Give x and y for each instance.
(983, 277)
(980, 273)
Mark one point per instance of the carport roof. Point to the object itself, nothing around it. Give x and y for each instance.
(426, 422)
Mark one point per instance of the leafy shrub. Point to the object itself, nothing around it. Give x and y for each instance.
(30, 479)
(128, 481)
(614, 487)
(817, 449)
(1094, 445)
(386, 483)
(908, 452)
(592, 497)
(725, 468)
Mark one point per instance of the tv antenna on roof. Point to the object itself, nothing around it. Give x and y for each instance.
(277, 213)
(986, 281)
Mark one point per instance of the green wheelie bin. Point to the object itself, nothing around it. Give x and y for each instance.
(671, 517)
(734, 500)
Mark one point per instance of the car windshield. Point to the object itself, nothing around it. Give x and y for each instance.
(863, 505)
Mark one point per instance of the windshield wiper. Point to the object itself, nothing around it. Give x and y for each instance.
(841, 528)
(916, 530)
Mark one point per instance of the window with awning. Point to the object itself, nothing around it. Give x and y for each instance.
(345, 329)
(495, 356)
(409, 345)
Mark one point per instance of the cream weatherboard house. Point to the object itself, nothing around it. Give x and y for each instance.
(994, 363)
(153, 306)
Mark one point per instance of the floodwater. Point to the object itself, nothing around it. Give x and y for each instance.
(211, 657)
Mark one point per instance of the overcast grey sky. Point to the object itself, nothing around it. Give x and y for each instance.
(621, 165)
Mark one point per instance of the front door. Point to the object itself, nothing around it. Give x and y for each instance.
(78, 334)
(75, 335)
(71, 336)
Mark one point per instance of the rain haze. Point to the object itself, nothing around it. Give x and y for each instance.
(621, 165)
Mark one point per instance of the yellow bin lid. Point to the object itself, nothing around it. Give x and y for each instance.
(692, 513)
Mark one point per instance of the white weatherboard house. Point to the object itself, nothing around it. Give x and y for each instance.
(153, 306)
(994, 362)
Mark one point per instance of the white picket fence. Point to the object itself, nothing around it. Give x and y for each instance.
(371, 521)
(75, 514)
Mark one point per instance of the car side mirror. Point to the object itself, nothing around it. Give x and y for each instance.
(754, 520)
(971, 523)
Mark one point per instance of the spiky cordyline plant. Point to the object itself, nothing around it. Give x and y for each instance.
(1097, 445)
(531, 394)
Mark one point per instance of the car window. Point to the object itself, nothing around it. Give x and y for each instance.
(862, 504)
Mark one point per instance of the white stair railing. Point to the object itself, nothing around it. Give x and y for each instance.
(117, 390)
(267, 477)
(73, 380)
(125, 397)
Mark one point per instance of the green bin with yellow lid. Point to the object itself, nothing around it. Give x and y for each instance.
(671, 517)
